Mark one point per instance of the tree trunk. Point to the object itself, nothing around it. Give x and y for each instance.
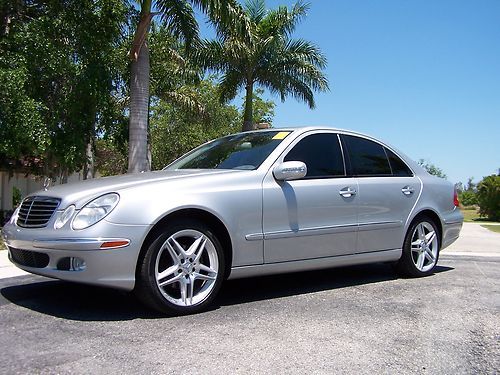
(139, 113)
(248, 115)
(64, 176)
(88, 168)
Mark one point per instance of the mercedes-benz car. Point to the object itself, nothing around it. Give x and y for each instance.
(245, 205)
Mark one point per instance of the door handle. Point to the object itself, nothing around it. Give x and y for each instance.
(407, 190)
(347, 192)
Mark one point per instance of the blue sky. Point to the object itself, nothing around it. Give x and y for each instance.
(423, 76)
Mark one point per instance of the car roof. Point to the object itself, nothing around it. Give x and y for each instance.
(304, 129)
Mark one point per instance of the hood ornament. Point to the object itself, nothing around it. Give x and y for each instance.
(46, 183)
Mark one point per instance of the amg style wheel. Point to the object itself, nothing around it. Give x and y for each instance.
(182, 270)
(420, 250)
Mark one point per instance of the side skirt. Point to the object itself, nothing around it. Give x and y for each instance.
(313, 264)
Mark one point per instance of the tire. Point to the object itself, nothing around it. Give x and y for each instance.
(182, 270)
(420, 249)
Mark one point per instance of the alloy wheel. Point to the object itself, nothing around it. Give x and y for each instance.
(186, 268)
(424, 246)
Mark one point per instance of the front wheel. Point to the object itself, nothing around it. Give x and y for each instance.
(420, 249)
(182, 270)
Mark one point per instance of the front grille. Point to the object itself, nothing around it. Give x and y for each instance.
(29, 258)
(35, 212)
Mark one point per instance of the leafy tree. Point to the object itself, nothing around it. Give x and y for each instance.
(178, 16)
(488, 197)
(58, 79)
(22, 130)
(266, 56)
(110, 161)
(471, 186)
(467, 194)
(176, 130)
(263, 110)
(432, 169)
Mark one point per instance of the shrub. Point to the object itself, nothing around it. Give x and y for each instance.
(16, 197)
(488, 197)
(467, 198)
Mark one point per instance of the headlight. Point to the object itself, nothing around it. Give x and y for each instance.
(64, 217)
(95, 211)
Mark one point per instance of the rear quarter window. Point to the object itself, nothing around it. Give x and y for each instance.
(398, 166)
(367, 158)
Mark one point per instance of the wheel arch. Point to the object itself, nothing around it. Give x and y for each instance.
(434, 217)
(207, 218)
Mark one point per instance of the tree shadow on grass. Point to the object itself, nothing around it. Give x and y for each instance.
(88, 303)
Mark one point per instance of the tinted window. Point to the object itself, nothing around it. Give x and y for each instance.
(239, 151)
(398, 166)
(321, 153)
(367, 158)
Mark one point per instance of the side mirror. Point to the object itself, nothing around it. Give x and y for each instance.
(290, 170)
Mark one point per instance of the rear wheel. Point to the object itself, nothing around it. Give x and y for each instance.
(420, 249)
(182, 270)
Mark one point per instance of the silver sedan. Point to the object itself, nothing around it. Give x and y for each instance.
(249, 204)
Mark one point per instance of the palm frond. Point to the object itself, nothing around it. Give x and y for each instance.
(227, 16)
(210, 55)
(283, 21)
(256, 10)
(178, 16)
(186, 99)
(288, 85)
(306, 51)
(229, 85)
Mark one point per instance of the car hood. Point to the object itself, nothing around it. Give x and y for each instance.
(81, 192)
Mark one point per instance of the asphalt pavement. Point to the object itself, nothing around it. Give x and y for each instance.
(361, 319)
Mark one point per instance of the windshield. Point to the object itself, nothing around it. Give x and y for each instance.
(239, 151)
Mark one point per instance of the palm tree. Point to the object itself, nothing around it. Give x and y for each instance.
(266, 56)
(178, 16)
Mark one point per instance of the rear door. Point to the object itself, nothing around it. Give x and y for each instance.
(387, 193)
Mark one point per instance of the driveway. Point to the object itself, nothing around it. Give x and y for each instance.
(475, 240)
(361, 319)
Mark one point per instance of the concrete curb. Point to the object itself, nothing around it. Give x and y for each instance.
(467, 254)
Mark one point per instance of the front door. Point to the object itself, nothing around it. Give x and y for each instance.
(315, 216)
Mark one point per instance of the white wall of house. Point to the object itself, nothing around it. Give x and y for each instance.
(26, 184)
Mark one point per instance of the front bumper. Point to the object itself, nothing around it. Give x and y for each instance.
(108, 260)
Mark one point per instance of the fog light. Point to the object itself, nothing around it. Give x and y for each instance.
(77, 264)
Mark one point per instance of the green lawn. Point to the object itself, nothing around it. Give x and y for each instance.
(493, 228)
(470, 214)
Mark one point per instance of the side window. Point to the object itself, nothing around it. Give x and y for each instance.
(321, 153)
(367, 158)
(398, 166)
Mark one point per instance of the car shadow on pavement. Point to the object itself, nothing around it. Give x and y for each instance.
(285, 285)
(88, 303)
